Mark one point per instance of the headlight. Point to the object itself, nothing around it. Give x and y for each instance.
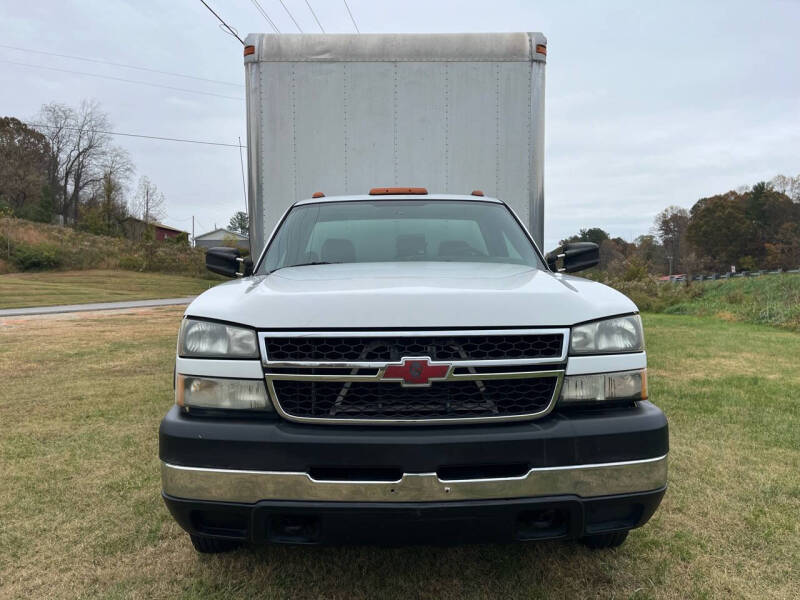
(609, 336)
(215, 340)
(210, 392)
(600, 387)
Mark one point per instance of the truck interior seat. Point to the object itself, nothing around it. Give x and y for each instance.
(337, 250)
(411, 245)
(455, 248)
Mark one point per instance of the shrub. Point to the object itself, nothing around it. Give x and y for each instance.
(35, 257)
(648, 293)
(132, 263)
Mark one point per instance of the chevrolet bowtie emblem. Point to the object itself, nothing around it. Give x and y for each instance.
(416, 371)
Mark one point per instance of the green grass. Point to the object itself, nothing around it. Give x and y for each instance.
(81, 516)
(768, 300)
(78, 287)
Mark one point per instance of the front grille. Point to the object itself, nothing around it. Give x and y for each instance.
(392, 348)
(375, 401)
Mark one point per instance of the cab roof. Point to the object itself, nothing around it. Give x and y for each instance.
(410, 197)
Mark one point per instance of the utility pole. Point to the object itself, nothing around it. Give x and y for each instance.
(193, 231)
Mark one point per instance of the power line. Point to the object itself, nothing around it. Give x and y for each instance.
(157, 85)
(265, 15)
(321, 28)
(291, 16)
(116, 64)
(349, 12)
(224, 24)
(139, 135)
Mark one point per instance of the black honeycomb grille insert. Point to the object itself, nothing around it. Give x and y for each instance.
(394, 348)
(443, 400)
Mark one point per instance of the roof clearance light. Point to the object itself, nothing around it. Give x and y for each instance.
(248, 50)
(398, 191)
(477, 192)
(317, 195)
(541, 49)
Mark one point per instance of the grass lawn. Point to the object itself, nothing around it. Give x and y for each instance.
(78, 287)
(81, 516)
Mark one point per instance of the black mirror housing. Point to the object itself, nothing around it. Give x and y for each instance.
(575, 256)
(228, 262)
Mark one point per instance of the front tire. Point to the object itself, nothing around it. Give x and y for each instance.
(605, 540)
(207, 545)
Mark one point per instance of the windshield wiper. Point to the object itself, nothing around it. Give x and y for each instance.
(306, 264)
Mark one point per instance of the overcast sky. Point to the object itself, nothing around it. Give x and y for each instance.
(648, 103)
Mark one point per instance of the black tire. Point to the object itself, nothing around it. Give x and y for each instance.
(605, 540)
(207, 545)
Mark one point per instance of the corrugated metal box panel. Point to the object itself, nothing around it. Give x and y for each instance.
(341, 114)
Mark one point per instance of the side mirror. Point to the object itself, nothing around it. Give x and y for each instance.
(228, 262)
(575, 256)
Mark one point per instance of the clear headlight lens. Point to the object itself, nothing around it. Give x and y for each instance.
(609, 336)
(601, 387)
(215, 340)
(210, 392)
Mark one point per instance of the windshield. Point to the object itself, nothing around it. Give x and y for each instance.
(399, 231)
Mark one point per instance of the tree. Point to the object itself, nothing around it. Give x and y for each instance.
(789, 186)
(148, 204)
(720, 229)
(106, 208)
(78, 147)
(24, 156)
(671, 225)
(240, 223)
(593, 234)
(768, 210)
(651, 253)
(612, 256)
(784, 251)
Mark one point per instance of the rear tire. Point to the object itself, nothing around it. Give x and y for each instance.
(604, 540)
(207, 545)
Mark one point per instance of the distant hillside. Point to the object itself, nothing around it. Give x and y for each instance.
(30, 246)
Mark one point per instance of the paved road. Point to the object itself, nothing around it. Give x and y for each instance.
(67, 308)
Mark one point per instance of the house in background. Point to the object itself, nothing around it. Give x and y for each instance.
(135, 228)
(222, 237)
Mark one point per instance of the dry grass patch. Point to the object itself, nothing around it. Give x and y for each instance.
(82, 516)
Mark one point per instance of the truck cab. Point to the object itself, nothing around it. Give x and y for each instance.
(405, 367)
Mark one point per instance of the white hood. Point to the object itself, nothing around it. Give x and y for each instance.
(410, 294)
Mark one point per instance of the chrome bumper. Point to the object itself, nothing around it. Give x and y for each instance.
(227, 485)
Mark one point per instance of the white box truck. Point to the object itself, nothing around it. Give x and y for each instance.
(395, 364)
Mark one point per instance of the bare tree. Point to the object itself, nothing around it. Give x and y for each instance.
(108, 194)
(148, 204)
(787, 185)
(78, 149)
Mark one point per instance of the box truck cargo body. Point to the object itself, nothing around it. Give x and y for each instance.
(342, 114)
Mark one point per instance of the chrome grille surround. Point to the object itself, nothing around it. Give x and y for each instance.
(288, 370)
